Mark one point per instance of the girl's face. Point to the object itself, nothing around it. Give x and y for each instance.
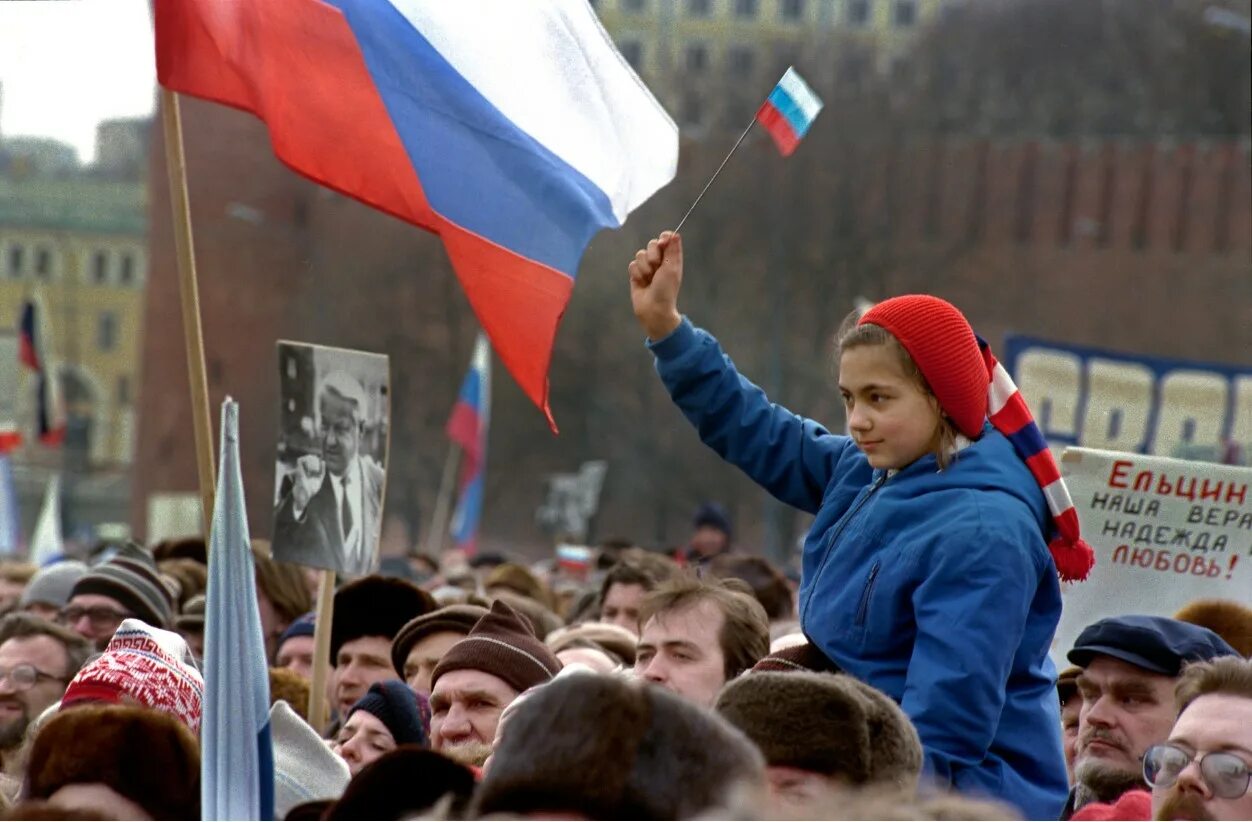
(893, 420)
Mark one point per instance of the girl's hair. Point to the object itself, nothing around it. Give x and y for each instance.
(853, 335)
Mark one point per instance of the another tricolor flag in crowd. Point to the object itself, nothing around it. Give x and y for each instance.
(514, 130)
(789, 111)
(467, 427)
(49, 415)
(237, 755)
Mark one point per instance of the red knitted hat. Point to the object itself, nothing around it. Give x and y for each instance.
(941, 342)
(971, 387)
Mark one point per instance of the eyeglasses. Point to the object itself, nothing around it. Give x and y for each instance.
(1226, 774)
(100, 616)
(22, 677)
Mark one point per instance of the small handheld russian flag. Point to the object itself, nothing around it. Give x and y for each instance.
(467, 427)
(786, 114)
(789, 111)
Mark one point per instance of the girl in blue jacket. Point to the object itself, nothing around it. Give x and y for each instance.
(927, 572)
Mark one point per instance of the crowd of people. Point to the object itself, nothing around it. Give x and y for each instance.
(649, 685)
(906, 672)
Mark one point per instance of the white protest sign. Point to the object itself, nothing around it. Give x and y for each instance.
(1165, 532)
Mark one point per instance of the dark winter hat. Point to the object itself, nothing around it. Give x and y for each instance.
(375, 606)
(150, 758)
(804, 658)
(1230, 620)
(192, 617)
(458, 619)
(1154, 643)
(403, 784)
(712, 515)
(502, 644)
(131, 578)
(1067, 684)
(972, 387)
(304, 625)
(825, 723)
(395, 705)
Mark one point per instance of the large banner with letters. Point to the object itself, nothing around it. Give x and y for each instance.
(1165, 532)
(1148, 405)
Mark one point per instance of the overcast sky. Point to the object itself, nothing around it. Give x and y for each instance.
(65, 65)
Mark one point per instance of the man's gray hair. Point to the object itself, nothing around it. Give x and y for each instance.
(346, 387)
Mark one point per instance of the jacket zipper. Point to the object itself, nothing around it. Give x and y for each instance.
(844, 524)
(865, 595)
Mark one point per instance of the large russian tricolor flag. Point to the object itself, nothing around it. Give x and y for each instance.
(789, 111)
(467, 427)
(514, 130)
(49, 415)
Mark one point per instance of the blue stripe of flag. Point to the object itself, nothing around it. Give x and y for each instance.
(781, 100)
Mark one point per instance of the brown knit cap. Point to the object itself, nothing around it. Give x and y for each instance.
(458, 619)
(829, 724)
(802, 658)
(502, 644)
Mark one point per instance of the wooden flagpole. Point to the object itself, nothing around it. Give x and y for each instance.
(321, 650)
(189, 292)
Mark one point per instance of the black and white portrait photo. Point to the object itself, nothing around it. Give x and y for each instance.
(332, 456)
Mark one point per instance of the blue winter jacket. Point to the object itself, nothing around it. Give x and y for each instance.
(935, 587)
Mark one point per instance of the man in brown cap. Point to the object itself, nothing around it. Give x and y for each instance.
(477, 679)
(422, 642)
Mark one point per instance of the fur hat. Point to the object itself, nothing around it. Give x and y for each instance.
(153, 667)
(402, 784)
(1230, 620)
(131, 578)
(51, 584)
(146, 756)
(375, 606)
(829, 724)
(305, 768)
(972, 387)
(192, 616)
(804, 657)
(501, 644)
(396, 706)
(458, 619)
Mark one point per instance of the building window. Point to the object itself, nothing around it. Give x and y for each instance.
(697, 58)
(859, 12)
(632, 50)
(16, 253)
(792, 10)
(43, 263)
(127, 273)
(699, 8)
(634, 6)
(905, 13)
(106, 331)
(745, 8)
(740, 59)
(693, 110)
(123, 390)
(100, 267)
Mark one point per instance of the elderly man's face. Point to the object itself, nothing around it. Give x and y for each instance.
(340, 432)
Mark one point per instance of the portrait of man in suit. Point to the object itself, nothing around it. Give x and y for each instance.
(329, 507)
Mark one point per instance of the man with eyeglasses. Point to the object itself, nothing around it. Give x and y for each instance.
(128, 585)
(37, 661)
(329, 507)
(1129, 667)
(1202, 770)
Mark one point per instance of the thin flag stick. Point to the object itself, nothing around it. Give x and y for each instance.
(189, 292)
(707, 185)
(437, 537)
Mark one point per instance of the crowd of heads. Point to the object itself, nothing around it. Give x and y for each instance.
(647, 685)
